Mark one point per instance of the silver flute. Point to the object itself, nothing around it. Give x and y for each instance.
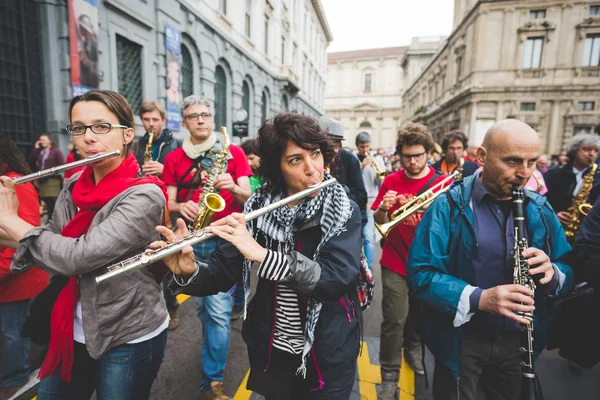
(65, 167)
(151, 256)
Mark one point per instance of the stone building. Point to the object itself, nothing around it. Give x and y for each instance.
(538, 61)
(261, 56)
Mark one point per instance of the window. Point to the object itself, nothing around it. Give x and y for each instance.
(365, 124)
(585, 106)
(595, 10)
(283, 50)
(264, 107)
(368, 82)
(537, 14)
(129, 71)
(246, 99)
(223, 7)
(459, 66)
(532, 57)
(266, 34)
(591, 51)
(306, 25)
(187, 72)
(220, 116)
(248, 18)
(284, 103)
(527, 106)
(295, 56)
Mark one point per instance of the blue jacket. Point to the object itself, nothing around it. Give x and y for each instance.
(440, 266)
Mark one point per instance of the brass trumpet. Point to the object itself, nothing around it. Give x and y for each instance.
(415, 204)
(380, 174)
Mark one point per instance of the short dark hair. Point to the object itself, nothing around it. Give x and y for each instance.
(116, 104)
(274, 135)
(250, 146)
(414, 134)
(452, 137)
(362, 138)
(149, 106)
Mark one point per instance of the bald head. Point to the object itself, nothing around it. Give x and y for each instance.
(509, 130)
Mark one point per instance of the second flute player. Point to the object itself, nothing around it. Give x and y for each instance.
(301, 326)
(460, 266)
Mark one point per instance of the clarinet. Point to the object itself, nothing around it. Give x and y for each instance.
(521, 276)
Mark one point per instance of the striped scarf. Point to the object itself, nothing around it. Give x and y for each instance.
(279, 227)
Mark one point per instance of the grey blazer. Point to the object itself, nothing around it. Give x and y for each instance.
(124, 308)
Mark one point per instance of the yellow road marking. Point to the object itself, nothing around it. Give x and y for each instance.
(243, 393)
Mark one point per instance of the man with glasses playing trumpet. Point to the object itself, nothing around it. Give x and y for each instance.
(416, 176)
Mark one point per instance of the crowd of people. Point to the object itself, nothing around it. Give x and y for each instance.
(447, 268)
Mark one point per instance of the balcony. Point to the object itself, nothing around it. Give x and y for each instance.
(532, 73)
(590, 72)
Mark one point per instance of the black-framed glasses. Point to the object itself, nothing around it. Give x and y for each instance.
(408, 157)
(99, 128)
(195, 116)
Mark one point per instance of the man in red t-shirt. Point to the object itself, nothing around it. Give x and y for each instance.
(185, 171)
(413, 145)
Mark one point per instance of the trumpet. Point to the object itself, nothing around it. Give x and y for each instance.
(151, 256)
(415, 204)
(380, 173)
(65, 167)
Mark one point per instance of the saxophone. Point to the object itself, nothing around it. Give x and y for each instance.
(148, 152)
(580, 206)
(459, 169)
(209, 201)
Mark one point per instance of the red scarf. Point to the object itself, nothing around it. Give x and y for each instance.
(89, 198)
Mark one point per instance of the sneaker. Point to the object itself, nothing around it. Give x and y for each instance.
(174, 322)
(237, 312)
(389, 385)
(414, 358)
(215, 392)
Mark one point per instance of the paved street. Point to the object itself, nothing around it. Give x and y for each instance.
(179, 376)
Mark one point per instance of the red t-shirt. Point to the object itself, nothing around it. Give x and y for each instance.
(395, 250)
(31, 283)
(177, 164)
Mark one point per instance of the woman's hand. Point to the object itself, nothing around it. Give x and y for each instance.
(233, 229)
(182, 263)
(9, 204)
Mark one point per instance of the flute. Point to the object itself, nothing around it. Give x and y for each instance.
(151, 256)
(65, 167)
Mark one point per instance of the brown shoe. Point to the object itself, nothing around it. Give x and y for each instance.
(174, 322)
(215, 392)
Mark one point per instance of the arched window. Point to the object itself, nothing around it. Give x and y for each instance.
(284, 103)
(365, 124)
(246, 98)
(220, 116)
(264, 107)
(187, 72)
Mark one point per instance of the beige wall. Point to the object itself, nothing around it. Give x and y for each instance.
(493, 83)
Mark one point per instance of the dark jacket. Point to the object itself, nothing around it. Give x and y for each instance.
(55, 158)
(469, 167)
(331, 280)
(440, 266)
(347, 172)
(168, 144)
(561, 182)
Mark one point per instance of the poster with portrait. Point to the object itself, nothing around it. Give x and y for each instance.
(83, 45)
(173, 81)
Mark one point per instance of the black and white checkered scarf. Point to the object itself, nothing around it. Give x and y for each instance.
(278, 228)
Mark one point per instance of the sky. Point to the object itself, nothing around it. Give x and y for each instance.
(365, 24)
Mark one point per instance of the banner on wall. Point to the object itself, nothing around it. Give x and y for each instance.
(83, 45)
(173, 81)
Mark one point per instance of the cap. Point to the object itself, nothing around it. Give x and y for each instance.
(334, 127)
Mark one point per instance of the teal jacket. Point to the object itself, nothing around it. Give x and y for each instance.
(440, 266)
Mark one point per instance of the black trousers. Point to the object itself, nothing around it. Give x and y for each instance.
(492, 362)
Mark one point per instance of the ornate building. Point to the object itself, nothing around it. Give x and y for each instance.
(538, 61)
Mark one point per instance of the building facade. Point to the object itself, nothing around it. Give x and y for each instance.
(364, 91)
(250, 58)
(537, 61)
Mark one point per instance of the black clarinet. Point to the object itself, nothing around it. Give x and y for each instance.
(521, 276)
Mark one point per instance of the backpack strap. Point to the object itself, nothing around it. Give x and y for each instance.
(436, 175)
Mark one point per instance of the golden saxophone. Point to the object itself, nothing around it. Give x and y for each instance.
(580, 206)
(459, 169)
(209, 201)
(148, 152)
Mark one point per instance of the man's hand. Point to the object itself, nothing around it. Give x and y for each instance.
(182, 263)
(539, 263)
(564, 217)
(389, 199)
(225, 181)
(190, 210)
(153, 168)
(367, 161)
(506, 300)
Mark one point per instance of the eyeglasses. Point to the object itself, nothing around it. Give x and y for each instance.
(100, 128)
(408, 157)
(194, 117)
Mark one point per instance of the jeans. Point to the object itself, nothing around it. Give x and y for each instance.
(369, 237)
(125, 372)
(15, 369)
(495, 361)
(394, 306)
(238, 294)
(214, 312)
